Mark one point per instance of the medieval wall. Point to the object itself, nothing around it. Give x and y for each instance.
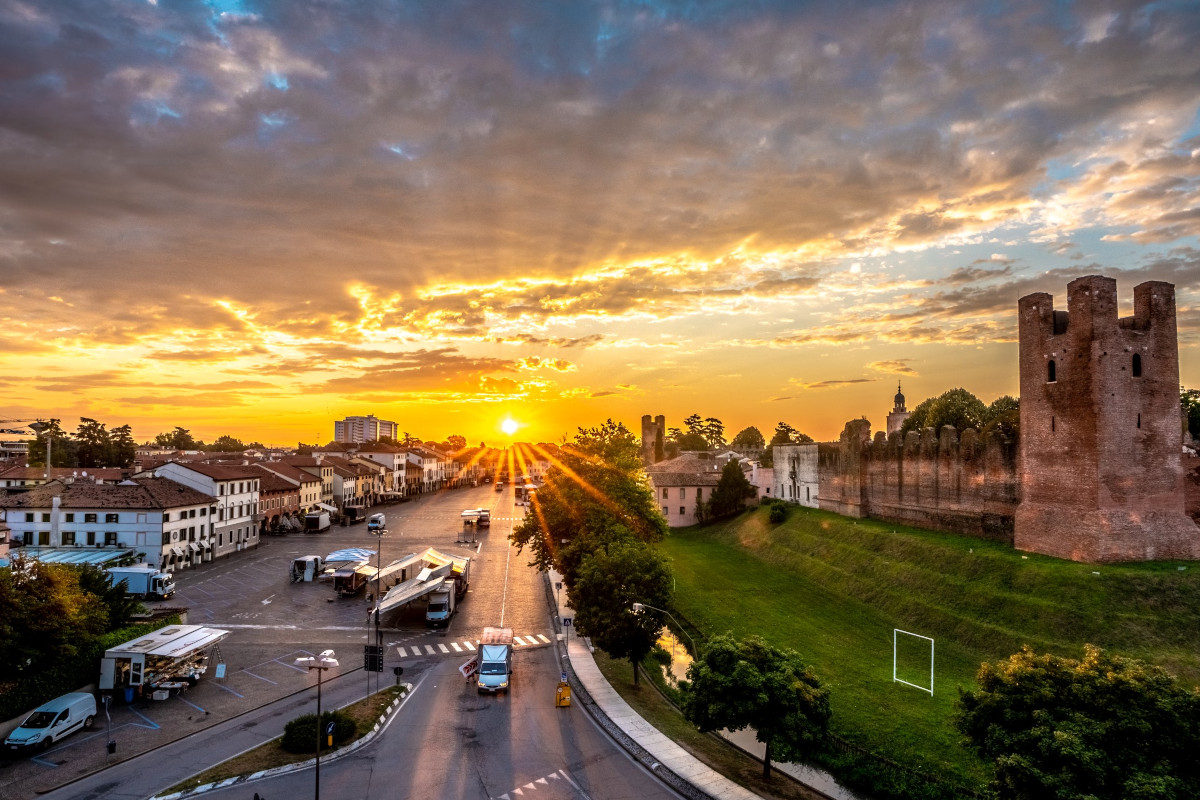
(926, 479)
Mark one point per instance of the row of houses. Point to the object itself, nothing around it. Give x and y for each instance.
(178, 510)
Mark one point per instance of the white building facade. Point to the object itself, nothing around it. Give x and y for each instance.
(796, 478)
(234, 491)
(363, 429)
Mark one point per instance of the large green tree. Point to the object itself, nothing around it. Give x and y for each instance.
(609, 582)
(225, 444)
(956, 407)
(62, 447)
(734, 684)
(749, 439)
(1098, 728)
(595, 494)
(123, 447)
(178, 439)
(729, 496)
(93, 445)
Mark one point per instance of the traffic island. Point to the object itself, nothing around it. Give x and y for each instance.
(369, 714)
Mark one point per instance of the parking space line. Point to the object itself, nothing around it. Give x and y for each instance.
(190, 703)
(260, 677)
(226, 688)
(149, 722)
(289, 666)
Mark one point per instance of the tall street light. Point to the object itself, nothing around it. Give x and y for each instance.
(37, 428)
(320, 664)
(639, 607)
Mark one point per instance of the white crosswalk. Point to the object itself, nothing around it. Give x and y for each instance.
(415, 650)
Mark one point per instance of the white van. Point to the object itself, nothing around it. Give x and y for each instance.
(51, 721)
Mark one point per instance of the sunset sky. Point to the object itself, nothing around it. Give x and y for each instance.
(253, 218)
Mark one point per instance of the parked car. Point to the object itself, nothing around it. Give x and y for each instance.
(51, 721)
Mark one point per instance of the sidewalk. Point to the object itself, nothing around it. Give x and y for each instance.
(672, 763)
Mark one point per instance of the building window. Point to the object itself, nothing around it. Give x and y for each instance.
(68, 538)
(110, 537)
(682, 493)
(29, 517)
(1051, 372)
(89, 518)
(112, 518)
(45, 517)
(44, 538)
(682, 511)
(91, 538)
(666, 493)
(166, 537)
(807, 493)
(1137, 366)
(203, 511)
(70, 517)
(666, 511)
(1139, 421)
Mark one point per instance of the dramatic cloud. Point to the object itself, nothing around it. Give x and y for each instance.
(403, 204)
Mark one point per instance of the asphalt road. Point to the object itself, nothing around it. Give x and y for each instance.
(447, 741)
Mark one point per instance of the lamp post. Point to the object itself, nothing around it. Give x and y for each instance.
(639, 607)
(37, 428)
(320, 664)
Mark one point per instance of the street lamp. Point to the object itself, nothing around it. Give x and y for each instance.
(320, 664)
(37, 428)
(639, 607)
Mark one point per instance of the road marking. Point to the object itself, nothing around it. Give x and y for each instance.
(267, 602)
(403, 653)
(469, 646)
(429, 650)
(457, 649)
(226, 688)
(542, 636)
(260, 677)
(443, 648)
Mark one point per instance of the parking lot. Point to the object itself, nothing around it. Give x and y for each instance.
(273, 621)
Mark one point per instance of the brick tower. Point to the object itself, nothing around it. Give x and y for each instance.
(652, 430)
(1101, 471)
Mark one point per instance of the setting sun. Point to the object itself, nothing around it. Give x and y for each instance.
(509, 426)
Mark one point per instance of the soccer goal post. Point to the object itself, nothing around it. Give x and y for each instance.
(896, 634)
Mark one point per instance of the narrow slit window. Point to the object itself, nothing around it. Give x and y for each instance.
(1137, 365)
(1052, 424)
(1139, 421)
(1051, 373)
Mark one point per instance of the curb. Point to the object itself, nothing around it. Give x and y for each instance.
(618, 734)
(380, 724)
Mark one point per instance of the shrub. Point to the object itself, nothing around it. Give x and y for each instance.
(660, 655)
(300, 734)
(778, 513)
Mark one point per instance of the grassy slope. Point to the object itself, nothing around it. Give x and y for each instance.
(833, 589)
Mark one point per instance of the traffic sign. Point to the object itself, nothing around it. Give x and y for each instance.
(566, 622)
(329, 728)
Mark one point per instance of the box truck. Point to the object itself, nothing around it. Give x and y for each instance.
(143, 580)
(495, 659)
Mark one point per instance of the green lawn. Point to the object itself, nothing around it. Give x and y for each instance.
(833, 589)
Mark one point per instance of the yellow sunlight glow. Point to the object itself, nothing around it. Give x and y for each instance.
(509, 426)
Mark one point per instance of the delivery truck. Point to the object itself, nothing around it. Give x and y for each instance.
(316, 522)
(495, 660)
(377, 523)
(143, 581)
(443, 603)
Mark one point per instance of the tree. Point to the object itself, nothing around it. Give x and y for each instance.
(226, 444)
(178, 439)
(1104, 727)
(749, 439)
(957, 407)
(408, 440)
(610, 581)
(120, 607)
(1189, 399)
(735, 684)
(62, 447)
(713, 431)
(93, 445)
(1004, 418)
(731, 492)
(123, 447)
(456, 442)
(594, 495)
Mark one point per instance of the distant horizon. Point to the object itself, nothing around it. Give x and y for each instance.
(251, 218)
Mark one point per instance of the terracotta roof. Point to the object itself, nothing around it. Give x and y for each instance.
(271, 483)
(144, 493)
(64, 473)
(294, 474)
(220, 472)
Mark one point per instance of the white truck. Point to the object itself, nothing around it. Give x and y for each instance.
(376, 523)
(306, 568)
(316, 522)
(143, 581)
(495, 660)
(442, 604)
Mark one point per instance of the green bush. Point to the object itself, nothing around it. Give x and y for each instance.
(300, 734)
(778, 513)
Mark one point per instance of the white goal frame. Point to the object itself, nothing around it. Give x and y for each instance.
(895, 638)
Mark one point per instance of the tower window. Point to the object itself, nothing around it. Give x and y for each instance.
(1052, 421)
(1137, 365)
(1051, 373)
(1139, 421)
